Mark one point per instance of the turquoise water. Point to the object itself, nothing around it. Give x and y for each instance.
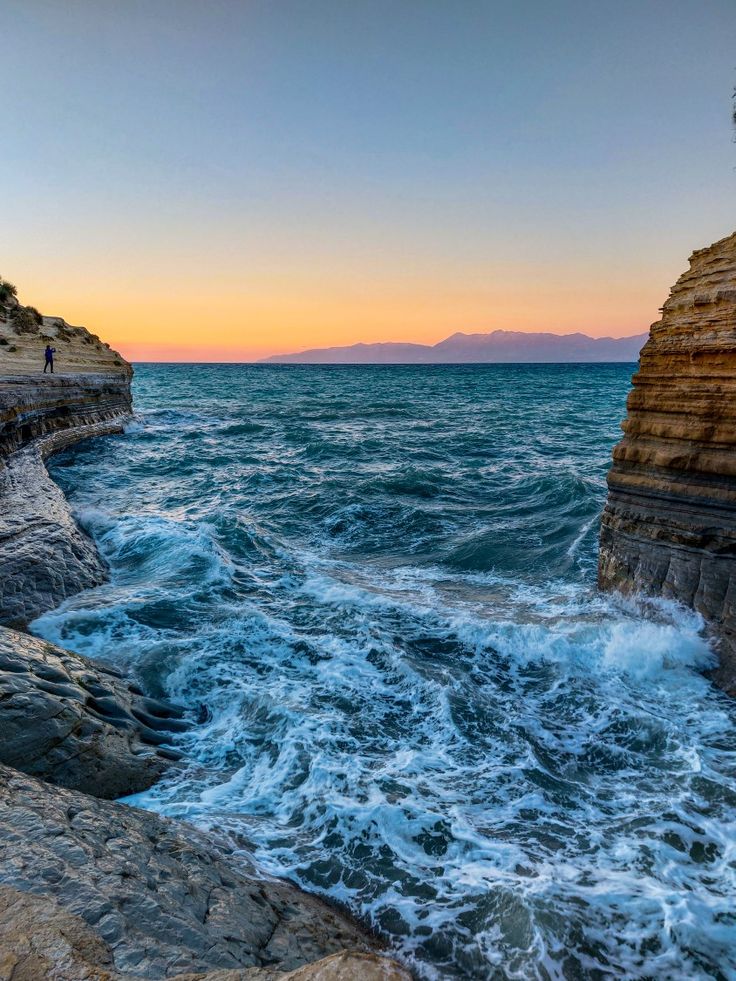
(375, 589)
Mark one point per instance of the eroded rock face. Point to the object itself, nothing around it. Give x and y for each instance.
(61, 408)
(669, 526)
(78, 724)
(44, 556)
(165, 899)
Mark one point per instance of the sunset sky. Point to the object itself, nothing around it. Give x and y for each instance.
(227, 180)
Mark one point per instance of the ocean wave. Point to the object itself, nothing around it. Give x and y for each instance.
(414, 700)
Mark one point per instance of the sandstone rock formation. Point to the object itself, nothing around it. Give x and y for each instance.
(78, 724)
(57, 407)
(669, 526)
(44, 555)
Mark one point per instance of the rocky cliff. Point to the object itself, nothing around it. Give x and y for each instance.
(90, 888)
(44, 556)
(669, 525)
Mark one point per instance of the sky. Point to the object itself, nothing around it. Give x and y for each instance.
(237, 178)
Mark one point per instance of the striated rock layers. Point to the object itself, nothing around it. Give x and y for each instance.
(669, 525)
(57, 407)
(44, 555)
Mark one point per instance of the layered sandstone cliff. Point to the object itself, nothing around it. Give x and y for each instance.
(44, 556)
(669, 525)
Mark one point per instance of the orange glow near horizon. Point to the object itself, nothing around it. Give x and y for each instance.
(223, 321)
(230, 181)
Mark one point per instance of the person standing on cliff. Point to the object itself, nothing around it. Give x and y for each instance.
(49, 355)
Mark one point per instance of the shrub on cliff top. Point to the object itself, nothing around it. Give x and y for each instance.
(23, 321)
(36, 314)
(7, 290)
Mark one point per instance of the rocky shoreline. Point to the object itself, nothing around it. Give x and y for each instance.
(44, 555)
(91, 888)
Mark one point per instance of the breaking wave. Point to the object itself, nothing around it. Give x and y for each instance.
(374, 588)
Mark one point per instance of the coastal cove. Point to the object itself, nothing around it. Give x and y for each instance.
(335, 633)
(409, 695)
(368, 559)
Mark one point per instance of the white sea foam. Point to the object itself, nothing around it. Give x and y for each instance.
(512, 775)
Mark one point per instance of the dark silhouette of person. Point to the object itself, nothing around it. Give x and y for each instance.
(49, 355)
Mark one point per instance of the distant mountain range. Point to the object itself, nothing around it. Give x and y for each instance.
(500, 346)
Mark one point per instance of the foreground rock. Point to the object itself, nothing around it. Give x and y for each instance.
(669, 526)
(164, 898)
(78, 724)
(39, 940)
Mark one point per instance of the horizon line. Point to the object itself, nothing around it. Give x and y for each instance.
(266, 363)
(172, 353)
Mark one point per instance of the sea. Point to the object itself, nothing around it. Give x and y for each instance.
(374, 588)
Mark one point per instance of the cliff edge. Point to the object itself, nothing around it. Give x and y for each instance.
(44, 556)
(25, 332)
(669, 525)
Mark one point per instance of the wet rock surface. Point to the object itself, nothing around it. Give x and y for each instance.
(38, 939)
(669, 525)
(164, 898)
(44, 556)
(78, 724)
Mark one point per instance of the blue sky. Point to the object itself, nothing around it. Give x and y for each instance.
(300, 173)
